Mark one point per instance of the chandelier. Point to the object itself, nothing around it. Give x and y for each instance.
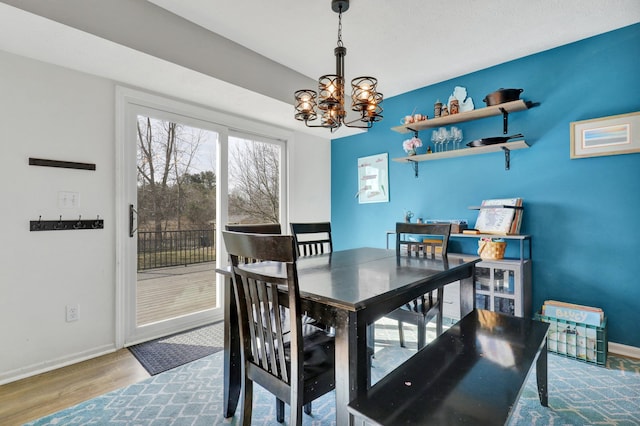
(329, 100)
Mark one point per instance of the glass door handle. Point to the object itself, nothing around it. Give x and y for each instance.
(132, 228)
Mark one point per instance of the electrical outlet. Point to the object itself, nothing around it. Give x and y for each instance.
(73, 313)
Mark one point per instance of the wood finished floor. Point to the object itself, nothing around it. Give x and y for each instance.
(37, 396)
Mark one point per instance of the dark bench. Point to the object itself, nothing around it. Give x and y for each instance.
(472, 374)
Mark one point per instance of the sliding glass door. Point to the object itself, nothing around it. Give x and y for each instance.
(181, 178)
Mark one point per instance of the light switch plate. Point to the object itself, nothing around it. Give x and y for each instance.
(68, 200)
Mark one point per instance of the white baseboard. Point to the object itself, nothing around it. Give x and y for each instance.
(624, 350)
(43, 367)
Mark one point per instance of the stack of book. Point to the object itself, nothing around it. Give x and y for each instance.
(500, 216)
(573, 313)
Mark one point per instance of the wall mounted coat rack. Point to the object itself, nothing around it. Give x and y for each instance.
(65, 225)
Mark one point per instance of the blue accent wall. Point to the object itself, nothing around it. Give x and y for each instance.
(582, 214)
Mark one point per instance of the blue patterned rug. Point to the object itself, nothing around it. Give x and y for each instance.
(579, 394)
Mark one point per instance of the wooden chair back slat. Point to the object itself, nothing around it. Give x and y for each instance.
(312, 238)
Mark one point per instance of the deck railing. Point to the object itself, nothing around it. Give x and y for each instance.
(175, 248)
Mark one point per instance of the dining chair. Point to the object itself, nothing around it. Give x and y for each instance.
(429, 240)
(312, 238)
(292, 360)
(269, 229)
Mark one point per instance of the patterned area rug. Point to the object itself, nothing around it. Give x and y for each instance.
(584, 394)
(579, 394)
(165, 353)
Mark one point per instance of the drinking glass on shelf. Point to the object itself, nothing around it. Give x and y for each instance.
(456, 136)
(450, 140)
(434, 139)
(441, 137)
(459, 138)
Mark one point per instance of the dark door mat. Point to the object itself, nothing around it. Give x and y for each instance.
(177, 349)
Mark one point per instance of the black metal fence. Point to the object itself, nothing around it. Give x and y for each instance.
(175, 248)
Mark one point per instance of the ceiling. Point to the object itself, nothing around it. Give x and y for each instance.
(406, 44)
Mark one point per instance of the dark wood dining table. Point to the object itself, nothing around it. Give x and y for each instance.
(350, 290)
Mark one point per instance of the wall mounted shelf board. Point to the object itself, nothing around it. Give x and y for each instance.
(61, 164)
(512, 146)
(506, 147)
(475, 114)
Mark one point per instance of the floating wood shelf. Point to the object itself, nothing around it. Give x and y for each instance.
(475, 114)
(498, 147)
(61, 164)
(506, 147)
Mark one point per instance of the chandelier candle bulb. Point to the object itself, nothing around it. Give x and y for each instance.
(305, 105)
(364, 94)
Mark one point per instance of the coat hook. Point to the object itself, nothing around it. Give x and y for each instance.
(37, 225)
(79, 224)
(96, 223)
(59, 225)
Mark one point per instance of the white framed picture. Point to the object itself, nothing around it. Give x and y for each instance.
(617, 134)
(373, 179)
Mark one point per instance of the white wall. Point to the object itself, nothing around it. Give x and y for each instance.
(49, 112)
(56, 113)
(309, 179)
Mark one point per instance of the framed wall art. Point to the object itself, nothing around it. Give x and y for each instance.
(617, 134)
(373, 179)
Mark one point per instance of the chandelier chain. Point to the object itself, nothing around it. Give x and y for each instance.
(340, 44)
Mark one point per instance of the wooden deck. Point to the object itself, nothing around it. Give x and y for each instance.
(172, 292)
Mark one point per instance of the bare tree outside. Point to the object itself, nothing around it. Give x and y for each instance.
(177, 188)
(254, 180)
(166, 154)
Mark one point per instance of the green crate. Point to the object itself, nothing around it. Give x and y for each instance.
(584, 342)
